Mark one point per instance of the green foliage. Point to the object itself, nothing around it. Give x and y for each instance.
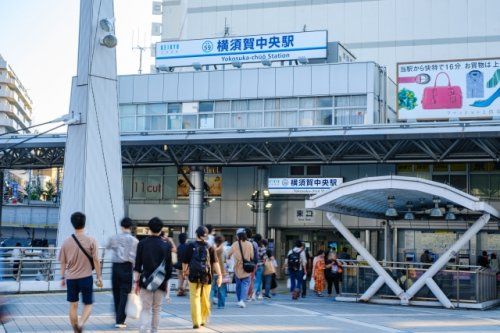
(407, 99)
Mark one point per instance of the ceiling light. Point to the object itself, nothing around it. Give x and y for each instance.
(436, 211)
(391, 211)
(266, 193)
(409, 214)
(449, 214)
(249, 205)
(269, 205)
(109, 41)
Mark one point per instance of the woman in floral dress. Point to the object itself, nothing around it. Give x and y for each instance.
(319, 274)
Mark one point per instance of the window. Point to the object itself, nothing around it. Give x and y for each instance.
(174, 107)
(305, 170)
(206, 107)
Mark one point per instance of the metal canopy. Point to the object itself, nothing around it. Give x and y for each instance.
(384, 143)
(367, 197)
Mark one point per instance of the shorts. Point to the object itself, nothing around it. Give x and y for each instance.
(76, 286)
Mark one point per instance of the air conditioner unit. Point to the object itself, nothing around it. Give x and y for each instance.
(156, 29)
(157, 8)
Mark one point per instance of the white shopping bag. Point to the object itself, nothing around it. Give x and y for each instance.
(134, 306)
(311, 284)
(288, 283)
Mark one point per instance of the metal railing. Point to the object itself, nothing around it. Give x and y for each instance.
(461, 284)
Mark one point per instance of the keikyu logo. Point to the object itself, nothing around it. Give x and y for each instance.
(207, 46)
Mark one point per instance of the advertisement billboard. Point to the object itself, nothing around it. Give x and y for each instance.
(242, 49)
(444, 90)
(302, 185)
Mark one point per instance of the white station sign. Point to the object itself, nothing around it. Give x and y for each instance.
(302, 185)
(242, 49)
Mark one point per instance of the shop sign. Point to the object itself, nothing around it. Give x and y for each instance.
(444, 90)
(302, 185)
(242, 49)
(305, 215)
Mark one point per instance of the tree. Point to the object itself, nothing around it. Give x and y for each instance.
(50, 191)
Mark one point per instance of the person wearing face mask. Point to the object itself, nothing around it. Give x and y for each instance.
(199, 265)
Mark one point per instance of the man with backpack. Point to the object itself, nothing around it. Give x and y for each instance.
(153, 268)
(296, 263)
(199, 264)
(79, 257)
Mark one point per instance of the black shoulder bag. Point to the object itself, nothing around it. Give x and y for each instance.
(248, 266)
(89, 257)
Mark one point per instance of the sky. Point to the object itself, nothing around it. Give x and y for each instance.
(39, 40)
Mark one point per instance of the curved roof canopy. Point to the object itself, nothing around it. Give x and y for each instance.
(368, 197)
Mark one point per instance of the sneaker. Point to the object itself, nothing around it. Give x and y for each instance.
(319, 294)
(181, 293)
(196, 326)
(214, 301)
(259, 297)
(241, 304)
(267, 296)
(121, 325)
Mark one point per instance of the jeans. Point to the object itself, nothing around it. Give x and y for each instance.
(151, 300)
(267, 283)
(258, 279)
(242, 286)
(199, 300)
(295, 280)
(219, 292)
(121, 280)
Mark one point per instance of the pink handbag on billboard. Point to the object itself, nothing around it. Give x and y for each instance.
(442, 97)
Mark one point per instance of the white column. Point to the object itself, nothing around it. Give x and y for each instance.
(441, 262)
(92, 180)
(196, 202)
(369, 258)
(261, 223)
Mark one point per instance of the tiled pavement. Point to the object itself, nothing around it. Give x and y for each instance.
(48, 313)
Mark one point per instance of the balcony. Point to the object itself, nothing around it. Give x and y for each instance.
(5, 78)
(6, 92)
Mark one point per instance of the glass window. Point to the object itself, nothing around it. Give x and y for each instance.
(495, 186)
(254, 120)
(271, 119)
(324, 102)
(357, 100)
(306, 118)
(206, 121)
(222, 106)
(128, 110)
(342, 101)
(141, 109)
(174, 122)
(458, 167)
(155, 108)
(306, 103)
(174, 107)
(445, 179)
(272, 104)
(314, 170)
(440, 167)
(288, 118)
(459, 182)
(127, 124)
(222, 120)
(206, 107)
(480, 185)
(422, 168)
(404, 168)
(239, 120)
(151, 123)
(256, 104)
(296, 170)
(239, 105)
(288, 103)
(189, 122)
(323, 117)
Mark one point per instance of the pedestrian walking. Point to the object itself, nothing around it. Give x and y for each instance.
(307, 272)
(494, 263)
(123, 250)
(199, 265)
(483, 260)
(218, 294)
(181, 253)
(170, 241)
(243, 252)
(333, 273)
(152, 270)
(269, 272)
(79, 256)
(15, 257)
(295, 263)
(251, 294)
(319, 273)
(259, 271)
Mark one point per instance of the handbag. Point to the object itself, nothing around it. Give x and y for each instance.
(134, 306)
(154, 281)
(269, 267)
(248, 266)
(442, 97)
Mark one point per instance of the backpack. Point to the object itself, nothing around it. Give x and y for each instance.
(294, 261)
(199, 266)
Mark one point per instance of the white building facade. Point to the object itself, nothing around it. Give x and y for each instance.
(384, 31)
(15, 103)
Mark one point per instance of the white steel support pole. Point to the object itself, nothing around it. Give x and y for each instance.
(369, 258)
(93, 182)
(261, 223)
(196, 202)
(451, 252)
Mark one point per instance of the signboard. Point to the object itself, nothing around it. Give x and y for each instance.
(302, 185)
(442, 90)
(305, 216)
(242, 49)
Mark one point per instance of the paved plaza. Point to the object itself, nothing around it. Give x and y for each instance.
(48, 313)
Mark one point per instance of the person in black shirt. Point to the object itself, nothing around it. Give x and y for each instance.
(199, 264)
(151, 252)
(181, 253)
